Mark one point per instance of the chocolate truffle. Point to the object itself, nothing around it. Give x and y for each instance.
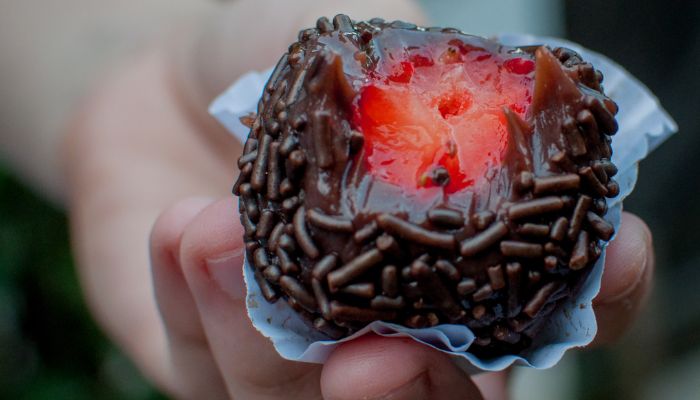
(424, 176)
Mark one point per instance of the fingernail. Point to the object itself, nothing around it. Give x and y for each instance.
(633, 260)
(629, 261)
(227, 272)
(630, 286)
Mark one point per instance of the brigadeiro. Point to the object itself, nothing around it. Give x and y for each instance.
(423, 176)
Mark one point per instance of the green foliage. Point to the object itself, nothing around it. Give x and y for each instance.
(49, 346)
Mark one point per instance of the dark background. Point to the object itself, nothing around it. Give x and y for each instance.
(51, 349)
(658, 42)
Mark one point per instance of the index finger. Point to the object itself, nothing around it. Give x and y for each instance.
(627, 279)
(211, 254)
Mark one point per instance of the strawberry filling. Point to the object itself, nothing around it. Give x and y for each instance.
(433, 115)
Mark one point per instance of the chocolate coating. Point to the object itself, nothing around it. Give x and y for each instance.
(345, 248)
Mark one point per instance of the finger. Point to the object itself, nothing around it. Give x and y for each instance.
(209, 61)
(212, 259)
(626, 281)
(193, 372)
(374, 367)
(492, 385)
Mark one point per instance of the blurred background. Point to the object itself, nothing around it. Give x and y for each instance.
(51, 51)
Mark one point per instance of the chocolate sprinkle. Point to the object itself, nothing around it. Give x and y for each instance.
(600, 172)
(273, 172)
(286, 187)
(495, 274)
(414, 233)
(344, 312)
(579, 256)
(260, 259)
(579, 213)
(550, 262)
(534, 230)
(387, 303)
(602, 228)
(248, 226)
(297, 291)
(504, 334)
(434, 289)
(324, 266)
(286, 263)
(247, 158)
(388, 245)
(328, 328)
(448, 270)
(466, 286)
(289, 143)
(483, 293)
(265, 224)
(321, 298)
(257, 177)
(343, 23)
(483, 219)
(446, 217)
(296, 88)
(265, 288)
(353, 269)
(556, 183)
(366, 232)
(285, 242)
(606, 121)
(297, 160)
(513, 272)
(525, 181)
(324, 25)
(281, 65)
(574, 138)
(613, 189)
(483, 240)
(243, 175)
(274, 236)
(535, 207)
(390, 281)
(272, 273)
(551, 248)
(320, 120)
(593, 181)
(533, 307)
(512, 248)
(559, 229)
(328, 223)
(364, 290)
(303, 236)
(416, 321)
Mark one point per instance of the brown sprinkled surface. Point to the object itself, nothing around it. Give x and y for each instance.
(345, 249)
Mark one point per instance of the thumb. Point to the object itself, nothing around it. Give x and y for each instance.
(374, 367)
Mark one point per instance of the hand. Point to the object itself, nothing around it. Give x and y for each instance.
(141, 142)
(197, 254)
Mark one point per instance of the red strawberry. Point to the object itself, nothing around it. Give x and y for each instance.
(441, 108)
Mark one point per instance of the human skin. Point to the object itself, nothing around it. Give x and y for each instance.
(143, 158)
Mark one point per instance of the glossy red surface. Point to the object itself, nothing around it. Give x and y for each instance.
(441, 105)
